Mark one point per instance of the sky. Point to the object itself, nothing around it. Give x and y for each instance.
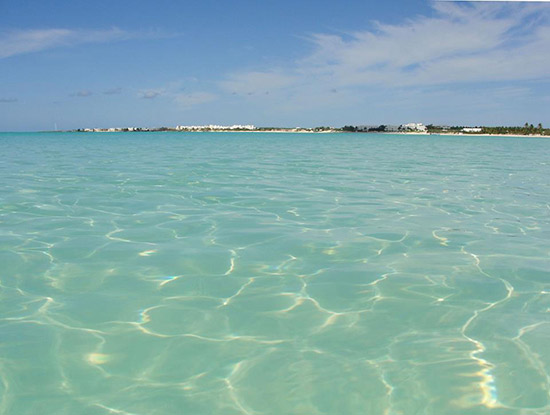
(78, 64)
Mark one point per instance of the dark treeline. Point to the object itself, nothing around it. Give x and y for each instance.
(527, 129)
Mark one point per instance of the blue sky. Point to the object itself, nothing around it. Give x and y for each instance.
(272, 63)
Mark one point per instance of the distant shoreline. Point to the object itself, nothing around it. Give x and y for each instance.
(296, 131)
(206, 129)
(492, 135)
(528, 130)
(285, 131)
(304, 131)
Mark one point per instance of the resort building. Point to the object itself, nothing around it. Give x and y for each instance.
(414, 126)
(213, 127)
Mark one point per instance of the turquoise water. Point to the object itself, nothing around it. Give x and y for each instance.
(179, 273)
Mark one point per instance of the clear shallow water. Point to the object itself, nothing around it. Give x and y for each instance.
(155, 274)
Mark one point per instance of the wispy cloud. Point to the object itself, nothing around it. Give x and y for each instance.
(151, 93)
(458, 43)
(82, 93)
(176, 92)
(8, 100)
(18, 42)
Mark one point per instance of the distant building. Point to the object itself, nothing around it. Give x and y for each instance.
(414, 126)
(211, 127)
(472, 129)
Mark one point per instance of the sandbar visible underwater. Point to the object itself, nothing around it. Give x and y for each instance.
(180, 273)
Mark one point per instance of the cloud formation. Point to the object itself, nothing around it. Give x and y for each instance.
(82, 93)
(151, 93)
(176, 93)
(458, 43)
(8, 100)
(18, 42)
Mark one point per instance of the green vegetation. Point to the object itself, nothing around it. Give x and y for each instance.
(444, 129)
(353, 129)
(527, 129)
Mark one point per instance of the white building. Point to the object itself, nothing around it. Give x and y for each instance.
(414, 126)
(472, 130)
(210, 127)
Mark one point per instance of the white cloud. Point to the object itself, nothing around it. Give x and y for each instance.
(457, 44)
(26, 41)
(174, 92)
(416, 68)
(82, 93)
(151, 93)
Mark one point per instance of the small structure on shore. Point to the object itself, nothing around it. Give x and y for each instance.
(413, 127)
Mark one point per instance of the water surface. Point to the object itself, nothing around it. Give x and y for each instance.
(306, 274)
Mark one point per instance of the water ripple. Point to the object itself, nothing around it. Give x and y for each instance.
(274, 274)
